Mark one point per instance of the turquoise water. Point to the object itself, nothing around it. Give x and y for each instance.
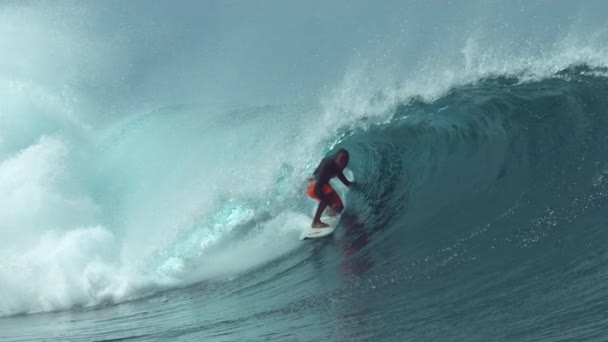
(154, 157)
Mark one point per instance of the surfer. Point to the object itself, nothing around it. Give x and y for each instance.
(320, 189)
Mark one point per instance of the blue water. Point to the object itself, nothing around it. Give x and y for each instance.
(154, 157)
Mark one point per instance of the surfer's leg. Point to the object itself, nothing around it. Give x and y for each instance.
(336, 203)
(316, 222)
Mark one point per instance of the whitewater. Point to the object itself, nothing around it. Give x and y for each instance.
(154, 159)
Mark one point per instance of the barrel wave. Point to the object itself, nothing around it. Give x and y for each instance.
(154, 180)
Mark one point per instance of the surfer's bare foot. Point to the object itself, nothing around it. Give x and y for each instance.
(319, 225)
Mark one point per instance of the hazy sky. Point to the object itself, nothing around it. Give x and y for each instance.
(124, 55)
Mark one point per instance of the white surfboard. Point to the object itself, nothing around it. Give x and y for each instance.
(314, 233)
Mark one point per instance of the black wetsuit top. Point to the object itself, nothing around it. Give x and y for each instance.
(327, 170)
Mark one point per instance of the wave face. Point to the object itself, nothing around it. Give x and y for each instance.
(153, 180)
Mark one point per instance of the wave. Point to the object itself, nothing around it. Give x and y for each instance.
(527, 157)
(111, 191)
(496, 169)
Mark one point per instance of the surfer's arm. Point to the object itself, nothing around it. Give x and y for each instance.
(343, 179)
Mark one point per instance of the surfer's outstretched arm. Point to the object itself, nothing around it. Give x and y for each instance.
(343, 179)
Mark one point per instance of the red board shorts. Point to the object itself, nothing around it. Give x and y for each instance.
(327, 190)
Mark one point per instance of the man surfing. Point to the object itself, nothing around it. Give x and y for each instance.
(320, 189)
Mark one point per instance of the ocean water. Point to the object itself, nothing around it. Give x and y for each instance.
(154, 157)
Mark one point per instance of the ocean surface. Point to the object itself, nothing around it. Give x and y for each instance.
(154, 157)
